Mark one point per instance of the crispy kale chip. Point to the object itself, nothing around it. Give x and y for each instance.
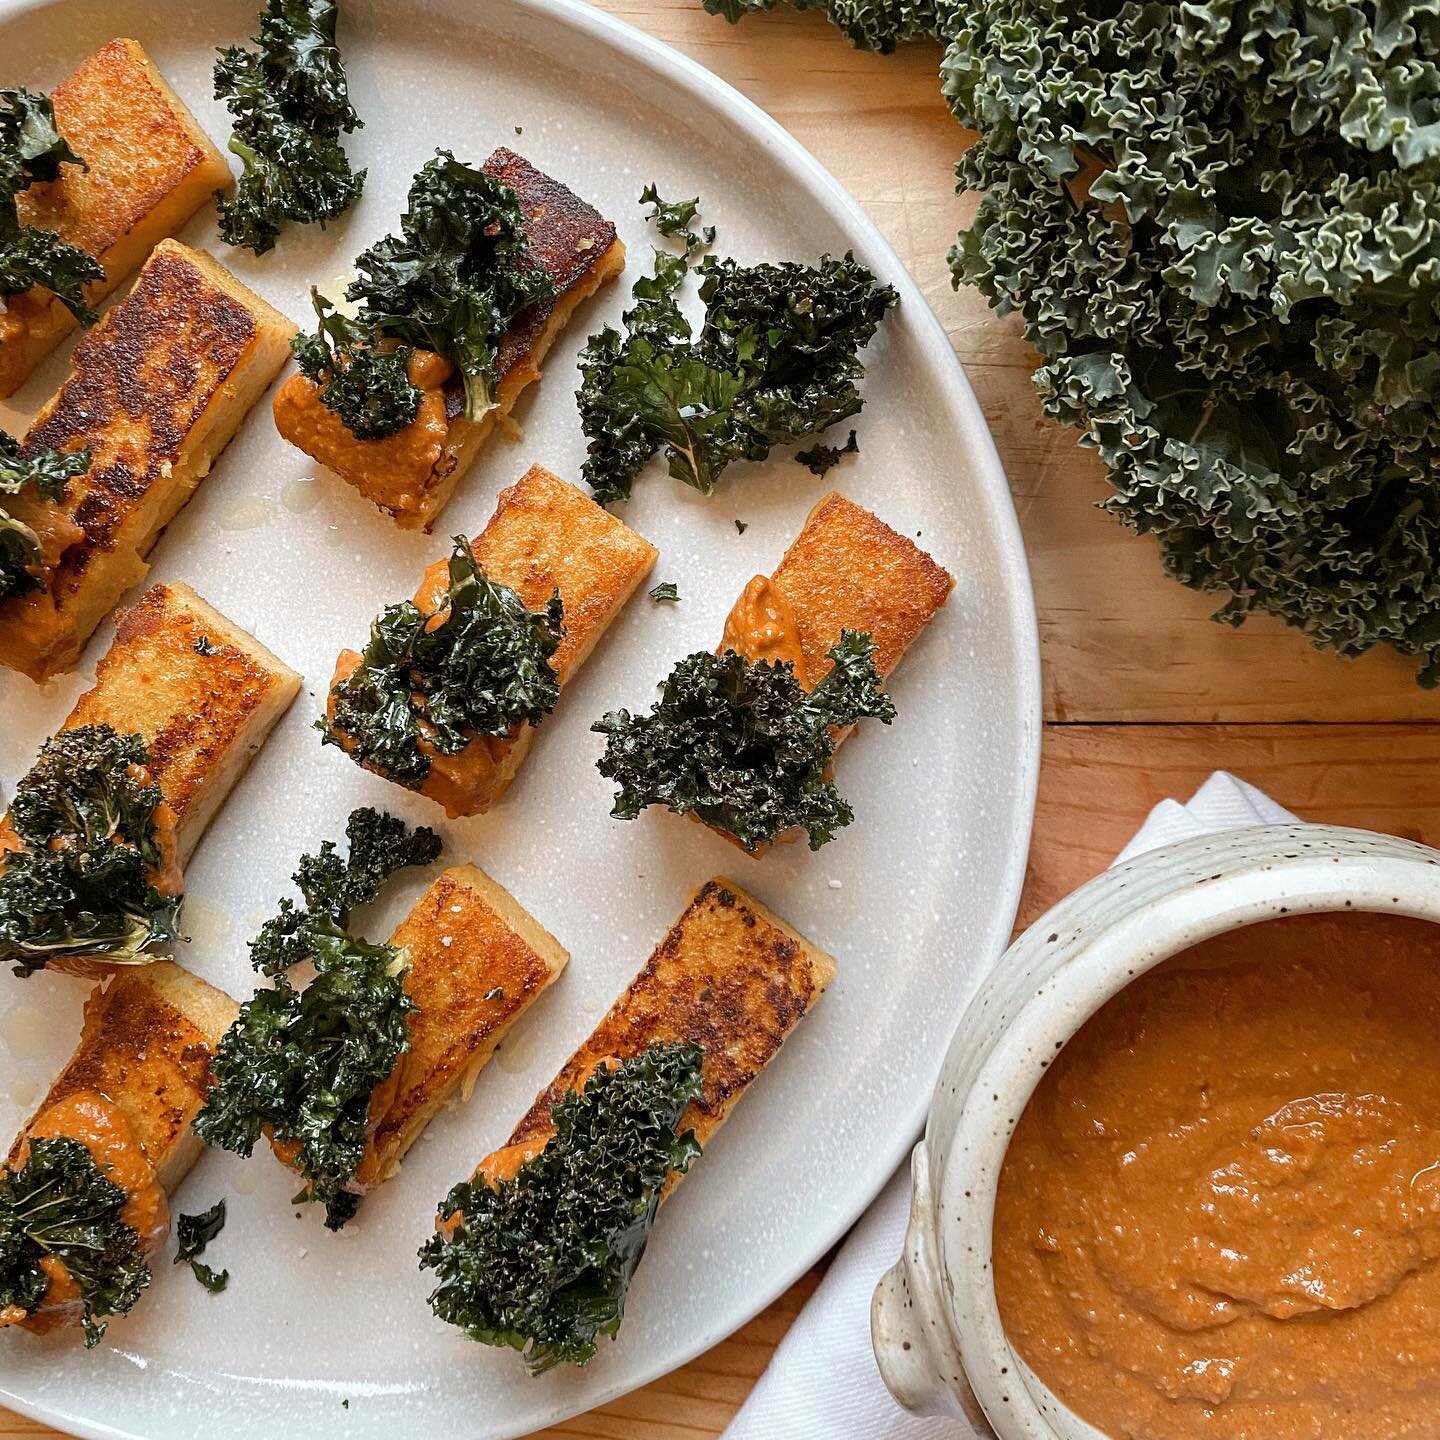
(59, 1205)
(32, 151)
(82, 882)
(776, 360)
(301, 1063)
(673, 219)
(484, 669)
(44, 473)
(868, 24)
(743, 745)
(451, 282)
(192, 1234)
(541, 1261)
(378, 845)
(822, 459)
(289, 104)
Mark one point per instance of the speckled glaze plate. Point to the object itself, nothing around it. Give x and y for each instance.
(329, 1335)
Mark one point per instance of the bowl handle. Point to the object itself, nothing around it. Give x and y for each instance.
(914, 1347)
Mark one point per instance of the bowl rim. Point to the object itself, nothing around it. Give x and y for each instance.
(1332, 869)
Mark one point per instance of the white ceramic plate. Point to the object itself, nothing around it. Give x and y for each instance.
(915, 899)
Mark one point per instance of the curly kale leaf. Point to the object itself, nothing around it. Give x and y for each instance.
(541, 1262)
(868, 24)
(623, 433)
(741, 743)
(32, 151)
(794, 333)
(82, 883)
(367, 387)
(32, 256)
(59, 1205)
(302, 1064)
(193, 1233)
(483, 669)
(1221, 227)
(45, 473)
(776, 360)
(289, 104)
(1222, 230)
(378, 846)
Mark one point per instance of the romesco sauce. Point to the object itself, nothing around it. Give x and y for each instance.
(1219, 1214)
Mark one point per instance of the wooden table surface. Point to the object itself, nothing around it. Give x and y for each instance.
(1144, 695)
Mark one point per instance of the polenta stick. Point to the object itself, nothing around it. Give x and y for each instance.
(202, 693)
(411, 475)
(155, 392)
(182, 701)
(845, 570)
(115, 1126)
(148, 166)
(744, 739)
(343, 1070)
(585, 1169)
(477, 961)
(545, 536)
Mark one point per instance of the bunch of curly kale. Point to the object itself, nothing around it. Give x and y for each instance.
(1221, 224)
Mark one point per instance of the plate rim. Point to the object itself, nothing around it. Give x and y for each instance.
(634, 45)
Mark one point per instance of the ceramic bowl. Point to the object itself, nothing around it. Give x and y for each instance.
(935, 1322)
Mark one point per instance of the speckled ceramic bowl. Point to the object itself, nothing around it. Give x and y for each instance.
(937, 1330)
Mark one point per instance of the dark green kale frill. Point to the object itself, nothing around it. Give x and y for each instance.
(484, 669)
(541, 1262)
(82, 883)
(32, 151)
(192, 1234)
(290, 103)
(303, 1062)
(451, 282)
(822, 459)
(45, 473)
(777, 360)
(58, 1204)
(743, 745)
(878, 25)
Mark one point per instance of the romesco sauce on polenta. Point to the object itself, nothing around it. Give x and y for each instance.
(1219, 1214)
(97, 1123)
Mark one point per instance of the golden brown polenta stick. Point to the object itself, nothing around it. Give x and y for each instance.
(148, 167)
(477, 961)
(411, 475)
(545, 535)
(156, 390)
(128, 1094)
(202, 693)
(731, 977)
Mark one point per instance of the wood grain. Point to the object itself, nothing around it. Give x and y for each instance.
(1120, 643)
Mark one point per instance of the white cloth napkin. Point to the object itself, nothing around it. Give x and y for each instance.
(822, 1383)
